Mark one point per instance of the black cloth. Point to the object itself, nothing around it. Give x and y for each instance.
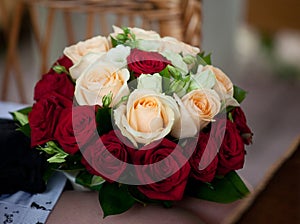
(21, 168)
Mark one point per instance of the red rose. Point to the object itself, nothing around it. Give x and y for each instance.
(59, 83)
(144, 62)
(163, 184)
(76, 127)
(106, 157)
(232, 152)
(241, 124)
(54, 82)
(64, 61)
(207, 174)
(44, 116)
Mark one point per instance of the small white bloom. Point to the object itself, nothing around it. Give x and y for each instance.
(151, 82)
(202, 79)
(176, 46)
(117, 56)
(176, 60)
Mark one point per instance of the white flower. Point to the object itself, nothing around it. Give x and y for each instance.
(117, 56)
(153, 82)
(202, 79)
(176, 60)
(100, 79)
(96, 44)
(176, 46)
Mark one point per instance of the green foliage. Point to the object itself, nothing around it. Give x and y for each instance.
(25, 129)
(60, 69)
(58, 154)
(104, 120)
(201, 59)
(115, 199)
(222, 189)
(107, 99)
(204, 59)
(239, 94)
(21, 117)
(126, 38)
(91, 181)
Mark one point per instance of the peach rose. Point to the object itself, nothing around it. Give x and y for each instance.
(223, 86)
(96, 44)
(147, 117)
(100, 79)
(202, 105)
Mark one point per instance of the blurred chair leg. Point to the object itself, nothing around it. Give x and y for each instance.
(69, 27)
(12, 61)
(45, 42)
(90, 25)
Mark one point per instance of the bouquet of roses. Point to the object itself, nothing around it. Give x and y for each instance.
(141, 119)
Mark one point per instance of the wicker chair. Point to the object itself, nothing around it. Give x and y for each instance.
(178, 18)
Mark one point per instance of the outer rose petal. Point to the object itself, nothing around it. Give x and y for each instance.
(173, 170)
(94, 44)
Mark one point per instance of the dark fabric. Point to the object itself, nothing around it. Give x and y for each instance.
(21, 167)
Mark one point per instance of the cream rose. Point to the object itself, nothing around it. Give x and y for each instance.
(176, 46)
(147, 117)
(223, 86)
(77, 69)
(202, 105)
(100, 79)
(96, 44)
(138, 32)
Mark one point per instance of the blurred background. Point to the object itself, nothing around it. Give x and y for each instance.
(255, 42)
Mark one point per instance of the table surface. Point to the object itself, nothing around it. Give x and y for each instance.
(83, 207)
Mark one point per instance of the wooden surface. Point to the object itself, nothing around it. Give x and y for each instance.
(270, 16)
(279, 202)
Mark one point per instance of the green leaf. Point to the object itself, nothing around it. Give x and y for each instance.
(103, 119)
(204, 59)
(25, 110)
(115, 199)
(114, 42)
(223, 190)
(107, 99)
(25, 129)
(57, 158)
(89, 180)
(21, 115)
(166, 78)
(51, 148)
(239, 94)
(22, 118)
(168, 204)
(60, 69)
